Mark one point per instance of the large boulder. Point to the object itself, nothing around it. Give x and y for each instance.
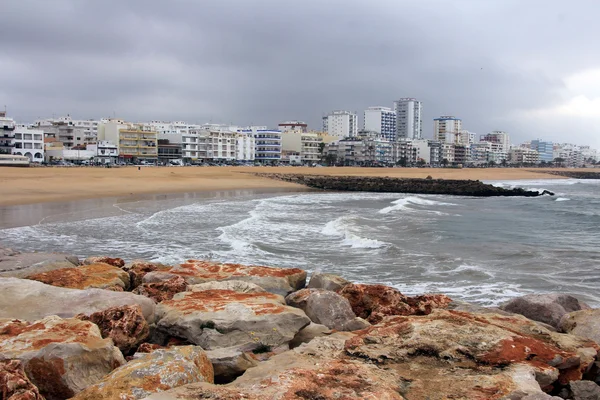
(374, 302)
(472, 341)
(223, 318)
(101, 276)
(31, 300)
(585, 390)
(584, 323)
(14, 264)
(161, 370)
(14, 384)
(546, 308)
(320, 280)
(60, 356)
(327, 308)
(275, 280)
(236, 286)
(125, 325)
(295, 376)
(161, 291)
(115, 262)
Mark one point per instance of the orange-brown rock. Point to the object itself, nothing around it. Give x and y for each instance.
(148, 347)
(161, 291)
(125, 325)
(138, 269)
(101, 276)
(161, 370)
(291, 376)
(60, 356)
(115, 262)
(225, 318)
(14, 384)
(275, 280)
(373, 302)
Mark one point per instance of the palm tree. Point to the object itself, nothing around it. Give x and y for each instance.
(558, 161)
(445, 162)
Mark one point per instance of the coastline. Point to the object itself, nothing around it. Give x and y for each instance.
(22, 186)
(18, 215)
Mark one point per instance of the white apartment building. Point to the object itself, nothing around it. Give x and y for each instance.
(293, 126)
(267, 143)
(86, 129)
(447, 153)
(7, 134)
(447, 129)
(381, 120)
(484, 152)
(246, 147)
(341, 124)
(466, 138)
(307, 144)
(409, 124)
(105, 152)
(426, 150)
(522, 155)
(204, 144)
(498, 137)
(169, 128)
(29, 142)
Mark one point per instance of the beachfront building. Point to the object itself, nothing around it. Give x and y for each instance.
(545, 149)
(201, 144)
(293, 126)
(405, 153)
(307, 144)
(105, 152)
(29, 142)
(246, 146)
(486, 152)
(7, 134)
(267, 143)
(381, 120)
(465, 138)
(447, 129)
(341, 124)
(134, 143)
(84, 129)
(500, 138)
(347, 151)
(523, 156)
(409, 123)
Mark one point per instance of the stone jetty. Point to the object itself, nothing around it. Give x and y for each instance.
(577, 174)
(208, 330)
(385, 184)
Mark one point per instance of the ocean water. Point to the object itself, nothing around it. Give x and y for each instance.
(483, 250)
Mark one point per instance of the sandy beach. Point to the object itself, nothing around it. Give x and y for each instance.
(38, 185)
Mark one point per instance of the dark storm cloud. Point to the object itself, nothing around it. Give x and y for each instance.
(489, 62)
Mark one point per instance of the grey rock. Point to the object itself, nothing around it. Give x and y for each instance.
(585, 390)
(327, 308)
(229, 363)
(546, 308)
(158, 276)
(19, 265)
(309, 333)
(31, 300)
(236, 286)
(331, 282)
(584, 323)
(224, 318)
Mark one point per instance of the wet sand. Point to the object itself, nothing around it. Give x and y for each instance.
(39, 185)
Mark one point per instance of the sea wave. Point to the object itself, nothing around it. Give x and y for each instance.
(562, 199)
(402, 204)
(341, 227)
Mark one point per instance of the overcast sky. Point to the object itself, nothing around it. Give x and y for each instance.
(529, 67)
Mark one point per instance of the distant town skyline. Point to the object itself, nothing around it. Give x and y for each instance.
(180, 60)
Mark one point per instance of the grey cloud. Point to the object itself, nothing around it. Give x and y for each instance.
(265, 61)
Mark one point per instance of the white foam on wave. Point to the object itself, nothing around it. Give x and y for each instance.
(562, 199)
(402, 204)
(341, 227)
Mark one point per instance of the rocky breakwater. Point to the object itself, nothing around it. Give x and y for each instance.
(404, 185)
(576, 174)
(225, 331)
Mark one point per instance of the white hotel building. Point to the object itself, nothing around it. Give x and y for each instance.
(341, 124)
(381, 120)
(409, 123)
